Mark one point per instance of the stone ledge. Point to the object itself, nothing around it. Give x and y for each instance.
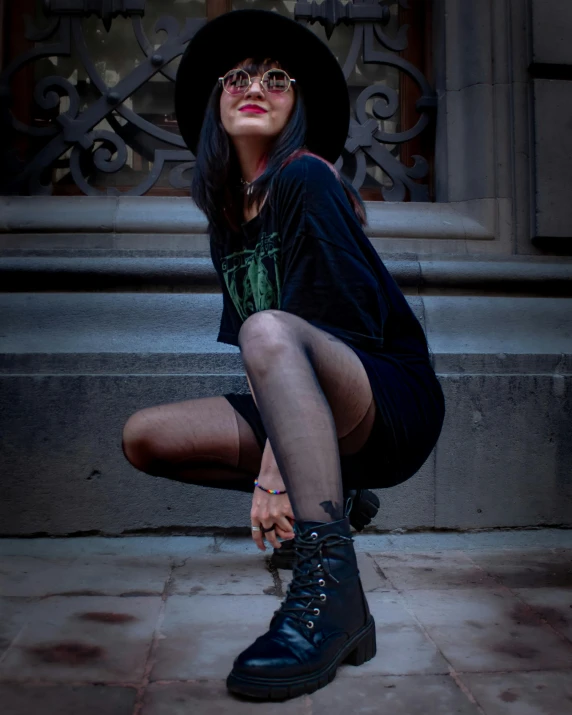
(157, 274)
(225, 364)
(173, 215)
(175, 324)
(501, 364)
(152, 364)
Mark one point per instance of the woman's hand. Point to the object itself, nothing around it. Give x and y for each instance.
(271, 510)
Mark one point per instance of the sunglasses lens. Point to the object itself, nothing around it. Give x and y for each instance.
(276, 81)
(236, 81)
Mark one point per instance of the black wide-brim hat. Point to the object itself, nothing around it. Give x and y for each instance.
(235, 36)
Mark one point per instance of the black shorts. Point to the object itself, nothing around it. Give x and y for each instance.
(408, 421)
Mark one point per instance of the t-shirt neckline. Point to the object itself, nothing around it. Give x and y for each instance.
(247, 225)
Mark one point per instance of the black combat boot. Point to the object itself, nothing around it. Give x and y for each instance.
(323, 622)
(365, 506)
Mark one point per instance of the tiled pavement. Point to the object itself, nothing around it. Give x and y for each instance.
(466, 624)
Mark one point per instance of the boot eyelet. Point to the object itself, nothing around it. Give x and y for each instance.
(313, 536)
(321, 582)
(316, 611)
(310, 624)
(322, 597)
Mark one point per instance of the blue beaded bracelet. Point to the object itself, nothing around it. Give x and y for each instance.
(268, 491)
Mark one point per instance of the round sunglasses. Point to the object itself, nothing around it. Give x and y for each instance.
(238, 81)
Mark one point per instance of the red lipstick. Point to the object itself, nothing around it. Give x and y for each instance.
(255, 109)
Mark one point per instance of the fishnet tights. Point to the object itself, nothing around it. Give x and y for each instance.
(279, 352)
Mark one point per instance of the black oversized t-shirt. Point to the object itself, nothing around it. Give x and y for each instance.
(306, 253)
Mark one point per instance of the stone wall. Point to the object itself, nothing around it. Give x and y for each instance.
(552, 71)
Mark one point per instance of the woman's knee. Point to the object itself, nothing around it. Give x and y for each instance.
(140, 442)
(265, 337)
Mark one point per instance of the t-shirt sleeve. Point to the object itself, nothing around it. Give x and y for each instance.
(327, 280)
(229, 320)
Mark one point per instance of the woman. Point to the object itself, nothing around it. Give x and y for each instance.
(343, 396)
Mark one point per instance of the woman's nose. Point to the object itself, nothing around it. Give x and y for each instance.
(255, 88)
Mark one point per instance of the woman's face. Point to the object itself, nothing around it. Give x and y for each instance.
(256, 113)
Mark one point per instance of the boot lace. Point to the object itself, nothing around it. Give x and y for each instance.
(308, 577)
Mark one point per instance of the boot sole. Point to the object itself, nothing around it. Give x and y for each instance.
(358, 650)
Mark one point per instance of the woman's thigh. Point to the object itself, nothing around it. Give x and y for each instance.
(200, 430)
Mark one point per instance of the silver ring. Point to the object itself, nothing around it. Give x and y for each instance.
(255, 528)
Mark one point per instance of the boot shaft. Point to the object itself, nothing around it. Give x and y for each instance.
(326, 586)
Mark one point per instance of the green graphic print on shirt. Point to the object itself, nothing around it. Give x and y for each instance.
(252, 276)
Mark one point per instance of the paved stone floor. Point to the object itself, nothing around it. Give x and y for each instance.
(466, 623)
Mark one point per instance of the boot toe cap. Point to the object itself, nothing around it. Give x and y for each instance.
(265, 658)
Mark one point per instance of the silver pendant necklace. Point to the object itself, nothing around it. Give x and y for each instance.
(246, 186)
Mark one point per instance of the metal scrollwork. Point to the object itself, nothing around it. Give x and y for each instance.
(102, 157)
(105, 9)
(73, 129)
(69, 133)
(366, 137)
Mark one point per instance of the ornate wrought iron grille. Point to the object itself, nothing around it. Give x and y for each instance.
(76, 127)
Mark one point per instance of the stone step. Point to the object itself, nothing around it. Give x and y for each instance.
(188, 271)
(75, 366)
(187, 323)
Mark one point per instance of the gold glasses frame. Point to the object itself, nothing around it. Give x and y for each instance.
(251, 80)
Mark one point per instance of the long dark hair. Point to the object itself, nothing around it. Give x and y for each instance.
(216, 187)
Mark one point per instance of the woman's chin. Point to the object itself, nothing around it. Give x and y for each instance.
(250, 130)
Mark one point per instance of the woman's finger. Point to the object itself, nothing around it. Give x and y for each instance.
(284, 535)
(257, 537)
(271, 537)
(284, 523)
